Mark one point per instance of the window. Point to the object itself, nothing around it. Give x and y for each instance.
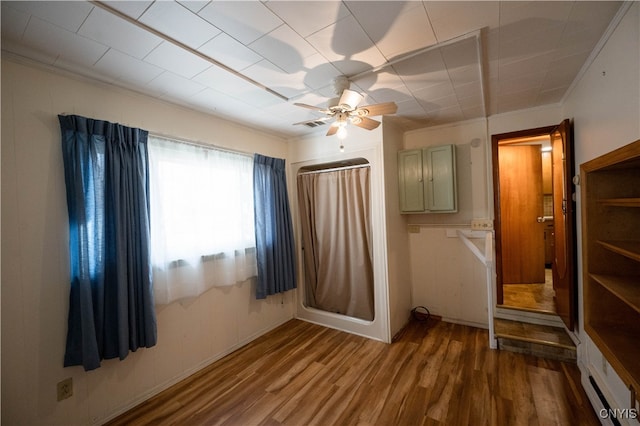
(202, 219)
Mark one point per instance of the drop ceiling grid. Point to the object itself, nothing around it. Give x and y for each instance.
(532, 50)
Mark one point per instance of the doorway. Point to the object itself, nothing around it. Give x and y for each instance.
(535, 221)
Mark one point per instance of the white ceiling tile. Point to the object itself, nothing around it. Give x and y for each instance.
(237, 88)
(286, 84)
(411, 109)
(295, 113)
(525, 18)
(230, 52)
(473, 112)
(318, 72)
(194, 5)
(445, 115)
(591, 15)
(467, 74)
(452, 19)
(223, 81)
(531, 45)
(284, 48)
(297, 14)
(347, 46)
(62, 43)
(14, 22)
(313, 98)
(575, 42)
(246, 21)
(517, 100)
(397, 94)
(557, 79)
(212, 100)
(422, 71)
(179, 23)
(527, 65)
(112, 31)
(530, 61)
(170, 85)
(551, 96)
(127, 68)
(36, 53)
(385, 78)
(430, 103)
(66, 14)
(176, 60)
(469, 90)
(132, 9)
(461, 53)
(395, 27)
(521, 83)
(571, 63)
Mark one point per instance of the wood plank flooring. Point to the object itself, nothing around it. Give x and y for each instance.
(535, 297)
(435, 373)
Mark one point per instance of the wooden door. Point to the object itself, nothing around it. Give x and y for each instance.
(522, 235)
(564, 223)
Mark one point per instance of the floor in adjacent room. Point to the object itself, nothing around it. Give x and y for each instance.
(536, 297)
(435, 373)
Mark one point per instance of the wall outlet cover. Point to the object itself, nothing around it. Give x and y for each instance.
(482, 224)
(65, 389)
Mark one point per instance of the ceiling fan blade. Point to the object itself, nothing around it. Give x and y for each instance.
(377, 109)
(350, 99)
(315, 108)
(332, 130)
(365, 122)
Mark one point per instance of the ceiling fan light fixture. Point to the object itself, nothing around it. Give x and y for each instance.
(342, 131)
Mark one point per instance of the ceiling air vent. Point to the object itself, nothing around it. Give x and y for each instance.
(314, 123)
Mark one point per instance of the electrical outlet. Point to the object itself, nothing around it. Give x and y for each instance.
(482, 224)
(413, 229)
(65, 389)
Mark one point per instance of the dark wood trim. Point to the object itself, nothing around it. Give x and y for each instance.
(495, 142)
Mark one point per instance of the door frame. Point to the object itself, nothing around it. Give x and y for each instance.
(495, 141)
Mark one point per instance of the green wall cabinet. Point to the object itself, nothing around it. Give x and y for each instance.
(427, 180)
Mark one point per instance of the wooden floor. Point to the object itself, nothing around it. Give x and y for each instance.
(435, 373)
(535, 297)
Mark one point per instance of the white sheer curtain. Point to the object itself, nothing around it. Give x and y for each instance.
(202, 220)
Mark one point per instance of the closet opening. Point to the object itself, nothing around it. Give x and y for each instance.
(334, 206)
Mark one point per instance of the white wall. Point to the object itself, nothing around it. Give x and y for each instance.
(605, 107)
(446, 277)
(35, 261)
(398, 255)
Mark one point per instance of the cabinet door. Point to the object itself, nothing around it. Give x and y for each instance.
(410, 180)
(440, 187)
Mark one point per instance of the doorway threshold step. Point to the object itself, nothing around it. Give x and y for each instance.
(534, 339)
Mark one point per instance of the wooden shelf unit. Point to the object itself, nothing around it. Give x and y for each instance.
(611, 258)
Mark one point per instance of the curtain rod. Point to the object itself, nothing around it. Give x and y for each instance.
(200, 144)
(333, 169)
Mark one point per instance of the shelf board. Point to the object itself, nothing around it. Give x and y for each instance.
(630, 249)
(620, 349)
(620, 202)
(626, 288)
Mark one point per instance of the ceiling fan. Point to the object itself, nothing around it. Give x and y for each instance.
(344, 109)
